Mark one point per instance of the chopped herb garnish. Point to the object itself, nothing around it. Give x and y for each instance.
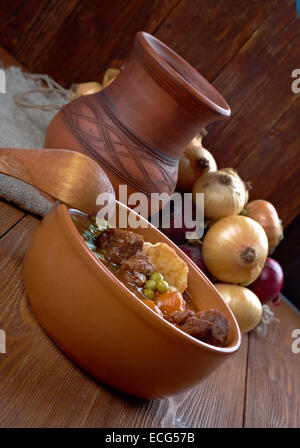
(88, 236)
(99, 255)
(91, 245)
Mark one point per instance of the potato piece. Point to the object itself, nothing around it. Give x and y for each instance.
(166, 261)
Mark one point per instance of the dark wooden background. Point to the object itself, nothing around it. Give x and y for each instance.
(247, 49)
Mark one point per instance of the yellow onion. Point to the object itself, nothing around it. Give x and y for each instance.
(86, 88)
(248, 186)
(235, 249)
(224, 193)
(247, 196)
(245, 305)
(265, 213)
(194, 162)
(109, 76)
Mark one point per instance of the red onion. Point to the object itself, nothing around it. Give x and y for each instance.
(178, 234)
(269, 284)
(194, 253)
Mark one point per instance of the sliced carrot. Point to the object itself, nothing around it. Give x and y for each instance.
(170, 301)
(153, 306)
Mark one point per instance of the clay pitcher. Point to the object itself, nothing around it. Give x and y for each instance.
(138, 126)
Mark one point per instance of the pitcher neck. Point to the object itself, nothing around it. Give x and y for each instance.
(154, 97)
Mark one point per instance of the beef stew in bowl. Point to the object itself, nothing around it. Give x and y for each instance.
(155, 274)
(104, 327)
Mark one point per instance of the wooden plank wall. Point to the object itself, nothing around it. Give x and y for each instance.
(246, 49)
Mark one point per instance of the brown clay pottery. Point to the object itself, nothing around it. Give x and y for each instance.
(62, 174)
(82, 305)
(140, 124)
(104, 327)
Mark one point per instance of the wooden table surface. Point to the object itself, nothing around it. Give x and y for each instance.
(40, 387)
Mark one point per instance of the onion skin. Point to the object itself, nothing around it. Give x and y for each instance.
(194, 162)
(109, 76)
(268, 285)
(247, 184)
(235, 249)
(86, 88)
(224, 191)
(244, 304)
(265, 213)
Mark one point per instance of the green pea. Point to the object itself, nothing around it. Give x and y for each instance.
(150, 284)
(162, 286)
(149, 293)
(156, 276)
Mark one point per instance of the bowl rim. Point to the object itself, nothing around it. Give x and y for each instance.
(209, 96)
(75, 239)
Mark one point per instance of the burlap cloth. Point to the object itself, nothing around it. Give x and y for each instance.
(25, 128)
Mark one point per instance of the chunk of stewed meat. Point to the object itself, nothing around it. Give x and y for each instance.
(119, 244)
(135, 269)
(209, 326)
(178, 317)
(198, 328)
(221, 326)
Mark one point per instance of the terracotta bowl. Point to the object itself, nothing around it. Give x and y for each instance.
(106, 329)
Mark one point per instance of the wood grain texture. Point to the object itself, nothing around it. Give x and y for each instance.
(7, 60)
(24, 22)
(255, 61)
(247, 49)
(217, 402)
(97, 35)
(12, 249)
(41, 387)
(9, 216)
(262, 101)
(273, 380)
(261, 110)
(208, 33)
(35, 375)
(280, 146)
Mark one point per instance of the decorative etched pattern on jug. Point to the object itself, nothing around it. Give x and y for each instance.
(103, 137)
